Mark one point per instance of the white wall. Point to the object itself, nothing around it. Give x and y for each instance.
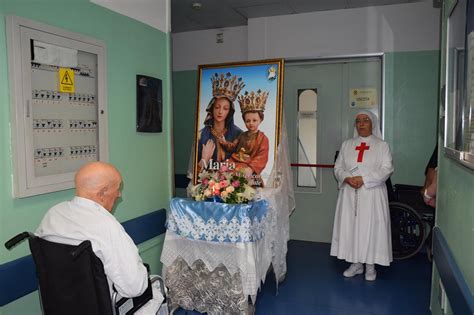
(191, 49)
(155, 13)
(401, 27)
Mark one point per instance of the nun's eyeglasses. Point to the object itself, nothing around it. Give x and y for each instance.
(365, 121)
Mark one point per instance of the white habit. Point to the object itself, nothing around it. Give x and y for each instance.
(361, 231)
(81, 219)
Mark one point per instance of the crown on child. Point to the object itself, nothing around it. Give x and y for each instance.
(253, 101)
(226, 86)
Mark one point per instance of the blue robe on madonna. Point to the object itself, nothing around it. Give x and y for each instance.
(220, 153)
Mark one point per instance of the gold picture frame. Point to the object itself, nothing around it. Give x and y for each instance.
(227, 93)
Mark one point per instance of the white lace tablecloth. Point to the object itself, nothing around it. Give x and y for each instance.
(252, 259)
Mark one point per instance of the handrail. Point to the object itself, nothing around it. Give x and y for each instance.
(458, 292)
(312, 165)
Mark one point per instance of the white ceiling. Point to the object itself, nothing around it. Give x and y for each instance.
(227, 13)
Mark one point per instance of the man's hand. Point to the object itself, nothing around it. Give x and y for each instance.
(429, 179)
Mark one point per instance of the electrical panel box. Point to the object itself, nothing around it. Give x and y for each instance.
(58, 105)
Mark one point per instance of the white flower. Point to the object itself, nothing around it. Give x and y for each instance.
(204, 174)
(248, 193)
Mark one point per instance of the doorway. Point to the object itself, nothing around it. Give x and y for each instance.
(320, 99)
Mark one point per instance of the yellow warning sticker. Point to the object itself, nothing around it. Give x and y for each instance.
(66, 80)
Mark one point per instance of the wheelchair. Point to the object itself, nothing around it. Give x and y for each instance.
(411, 220)
(72, 280)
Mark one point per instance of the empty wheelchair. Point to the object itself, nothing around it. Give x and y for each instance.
(72, 280)
(411, 220)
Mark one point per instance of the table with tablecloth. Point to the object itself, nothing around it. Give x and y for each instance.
(216, 255)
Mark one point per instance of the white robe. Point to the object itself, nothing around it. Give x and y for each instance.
(361, 231)
(72, 222)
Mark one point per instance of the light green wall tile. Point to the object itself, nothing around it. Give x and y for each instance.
(150, 252)
(184, 109)
(455, 213)
(411, 107)
(27, 305)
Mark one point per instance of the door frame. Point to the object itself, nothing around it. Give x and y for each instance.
(339, 59)
(334, 59)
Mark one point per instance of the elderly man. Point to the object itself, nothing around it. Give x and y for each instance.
(88, 217)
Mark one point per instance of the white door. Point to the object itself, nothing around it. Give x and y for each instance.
(320, 100)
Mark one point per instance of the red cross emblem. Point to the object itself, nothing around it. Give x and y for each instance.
(361, 148)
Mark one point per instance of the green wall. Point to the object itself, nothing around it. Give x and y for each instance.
(184, 108)
(411, 81)
(455, 200)
(143, 159)
(411, 109)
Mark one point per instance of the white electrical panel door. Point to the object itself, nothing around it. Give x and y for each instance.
(59, 100)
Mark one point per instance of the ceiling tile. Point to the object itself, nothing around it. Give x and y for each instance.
(248, 3)
(228, 13)
(371, 3)
(211, 15)
(303, 6)
(256, 11)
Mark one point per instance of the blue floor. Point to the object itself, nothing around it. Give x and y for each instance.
(314, 285)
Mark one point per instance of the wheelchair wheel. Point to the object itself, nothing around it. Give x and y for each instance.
(408, 232)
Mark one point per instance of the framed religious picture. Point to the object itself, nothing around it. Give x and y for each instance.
(238, 118)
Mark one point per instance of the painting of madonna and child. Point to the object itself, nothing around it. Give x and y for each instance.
(238, 118)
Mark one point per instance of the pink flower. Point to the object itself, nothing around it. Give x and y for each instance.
(224, 168)
(211, 183)
(224, 183)
(205, 181)
(217, 186)
(236, 183)
(217, 192)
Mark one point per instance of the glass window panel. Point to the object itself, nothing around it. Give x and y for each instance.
(307, 135)
(459, 124)
(469, 109)
(456, 92)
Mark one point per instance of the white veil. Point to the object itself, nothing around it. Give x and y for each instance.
(375, 123)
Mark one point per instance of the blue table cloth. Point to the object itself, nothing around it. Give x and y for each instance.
(217, 222)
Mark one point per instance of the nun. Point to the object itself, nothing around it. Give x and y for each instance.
(361, 233)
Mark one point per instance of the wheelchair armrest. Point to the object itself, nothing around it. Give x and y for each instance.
(130, 305)
(404, 187)
(163, 289)
(18, 239)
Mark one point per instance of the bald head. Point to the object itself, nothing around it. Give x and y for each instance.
(100, 182)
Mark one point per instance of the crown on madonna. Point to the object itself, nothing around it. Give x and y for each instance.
(253, 101)
(226, 86)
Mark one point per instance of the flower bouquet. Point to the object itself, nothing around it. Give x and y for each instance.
(223, 185)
